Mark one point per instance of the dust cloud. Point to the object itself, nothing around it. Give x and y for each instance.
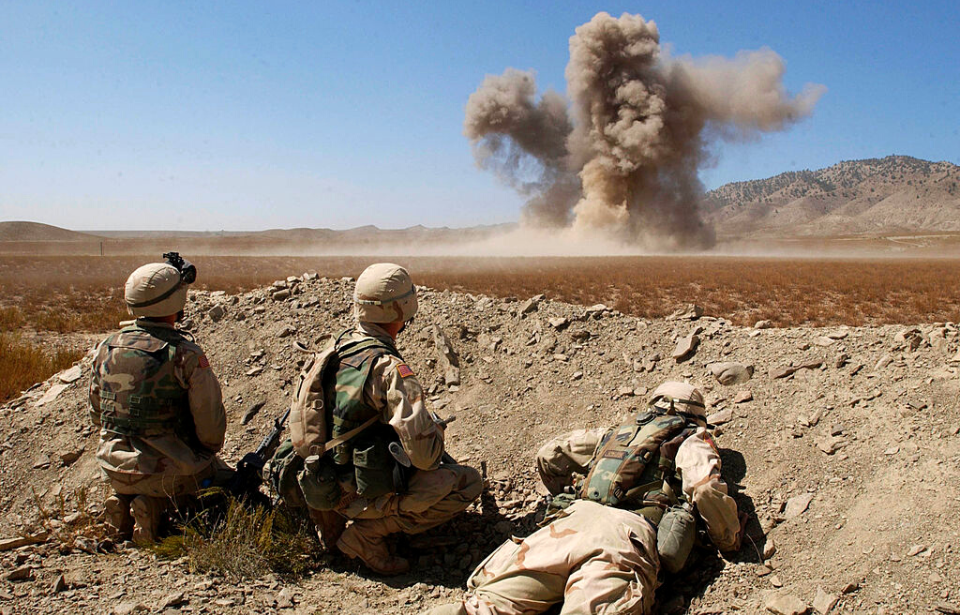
(617, 160)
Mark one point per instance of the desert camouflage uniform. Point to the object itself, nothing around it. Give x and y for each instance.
(172, 462)
(435, 493)
(593, 558)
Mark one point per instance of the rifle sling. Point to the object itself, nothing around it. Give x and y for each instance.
(331, 444)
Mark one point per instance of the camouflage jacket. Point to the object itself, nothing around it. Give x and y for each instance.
(393, 390)
(188, 385)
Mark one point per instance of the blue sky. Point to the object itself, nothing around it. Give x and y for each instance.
(241, 115)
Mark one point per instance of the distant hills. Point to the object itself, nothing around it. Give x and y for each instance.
(35, 231)
(876, 196)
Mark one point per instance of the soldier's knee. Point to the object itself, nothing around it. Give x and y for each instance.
(470, 484)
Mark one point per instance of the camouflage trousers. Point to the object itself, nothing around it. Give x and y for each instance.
(433, 497)
(169, 485)
(591, 558)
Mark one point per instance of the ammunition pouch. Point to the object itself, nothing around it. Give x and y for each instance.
(374, 466)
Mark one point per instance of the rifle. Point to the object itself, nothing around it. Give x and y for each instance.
(249, 475)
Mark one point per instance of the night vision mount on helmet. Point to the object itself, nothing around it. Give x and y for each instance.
(159, 289)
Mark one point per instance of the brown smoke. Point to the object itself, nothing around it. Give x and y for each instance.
(622, 160)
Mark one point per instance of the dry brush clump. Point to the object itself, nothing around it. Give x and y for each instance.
(82, 529)
(244, 542)
(22, 364)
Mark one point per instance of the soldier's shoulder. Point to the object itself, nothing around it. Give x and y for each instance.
(390, 365)
(188, 346)
(191, 353)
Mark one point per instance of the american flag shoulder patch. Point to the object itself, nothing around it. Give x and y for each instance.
(404, 370)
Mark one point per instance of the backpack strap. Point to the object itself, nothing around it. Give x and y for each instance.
(331, 444)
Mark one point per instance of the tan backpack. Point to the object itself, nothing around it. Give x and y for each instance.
(308, 424)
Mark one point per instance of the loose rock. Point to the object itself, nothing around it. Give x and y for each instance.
(686, 347)
(731, 373)
(691, 311)
(71, 375)
(823, 603)
(787, 605)
(797, 505)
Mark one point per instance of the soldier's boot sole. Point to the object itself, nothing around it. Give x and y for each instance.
(118, 517)
(372, 551)
(146, 515)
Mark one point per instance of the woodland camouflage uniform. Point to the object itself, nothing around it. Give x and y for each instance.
(435, 493)
(168, 459)
(390, 407)
(157, 403)
(594, 558)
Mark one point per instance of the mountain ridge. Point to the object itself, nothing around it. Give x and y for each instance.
(873, 196)
(853, 197)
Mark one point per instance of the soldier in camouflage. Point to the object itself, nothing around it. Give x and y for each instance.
(600, 554)
(373, 400)
(158, 406)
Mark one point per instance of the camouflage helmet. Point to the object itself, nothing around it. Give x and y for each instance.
(682, 397)
(155, 290)
(384, 293)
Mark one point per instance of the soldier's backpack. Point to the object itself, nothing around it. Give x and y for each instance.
(308, 423)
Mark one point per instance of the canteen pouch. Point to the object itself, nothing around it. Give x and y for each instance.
(319, 484)
(675, 537)
(373, 466)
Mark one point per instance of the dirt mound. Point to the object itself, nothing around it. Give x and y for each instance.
(36, 231)
(843, 445)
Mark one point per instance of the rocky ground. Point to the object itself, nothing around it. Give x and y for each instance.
(842, 443)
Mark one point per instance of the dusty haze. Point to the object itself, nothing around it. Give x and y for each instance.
(618, 160)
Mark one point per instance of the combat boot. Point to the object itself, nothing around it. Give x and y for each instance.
(366, 541)
(118, 518)
(146, 515)
(330, 525)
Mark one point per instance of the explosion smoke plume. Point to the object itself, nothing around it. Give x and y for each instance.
(622, 160)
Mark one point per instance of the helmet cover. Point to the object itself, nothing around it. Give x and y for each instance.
(155, 290)
(680, 396)
(384, 293)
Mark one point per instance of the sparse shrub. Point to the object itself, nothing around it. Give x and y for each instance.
(81, 529)
(247, 542)
(11, 319)
(23, 364)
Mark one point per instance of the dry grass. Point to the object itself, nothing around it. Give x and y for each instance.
(22, 364)
(81, 529)
(245, 543)
(84, 293)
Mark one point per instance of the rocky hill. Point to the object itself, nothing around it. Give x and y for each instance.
(36, 231)
(842, 443)
(876, 196)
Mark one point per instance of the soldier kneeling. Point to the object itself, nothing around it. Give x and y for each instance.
(363, 446)
(157, 403)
